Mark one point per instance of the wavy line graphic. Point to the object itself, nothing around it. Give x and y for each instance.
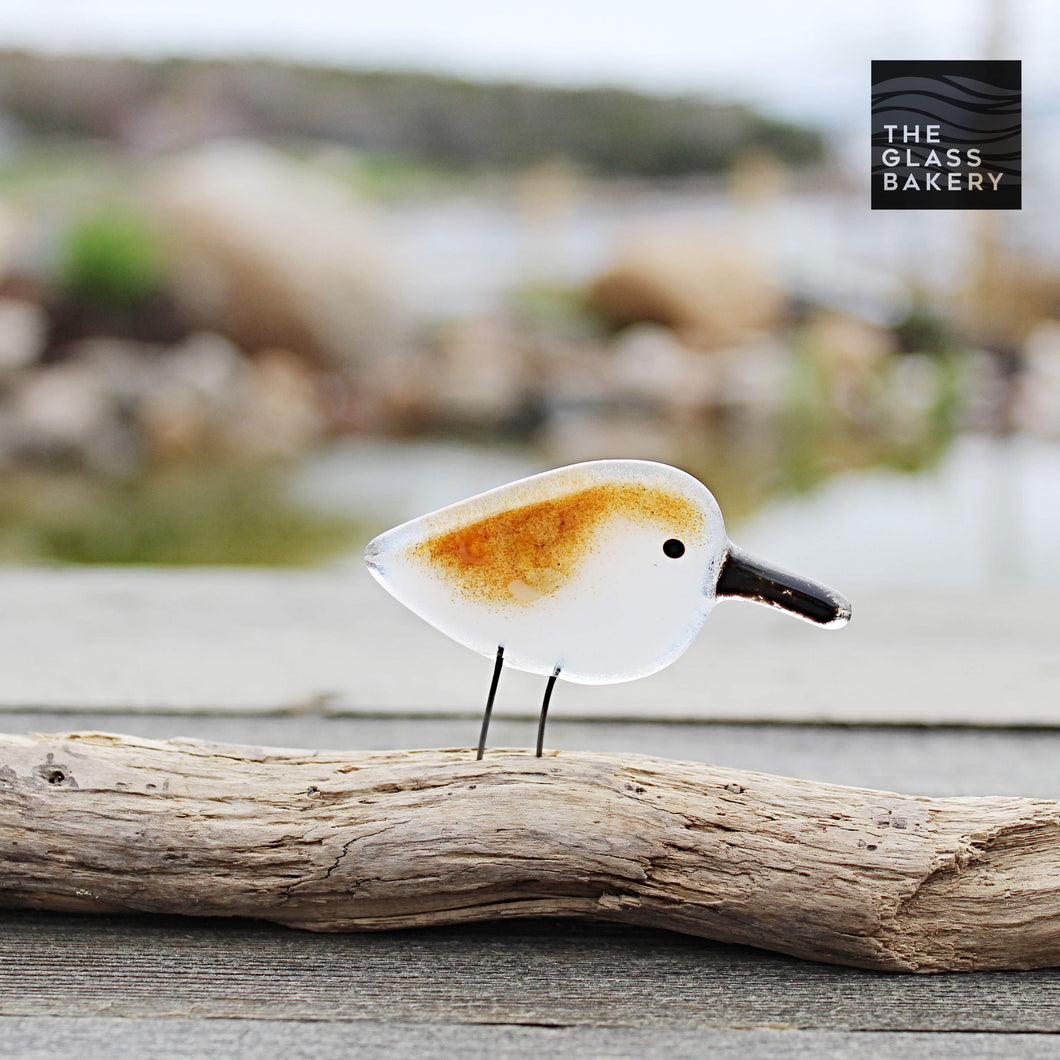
(1010, 106)
(998, 106)
(970, 113)
(982, 89)
(996, 94)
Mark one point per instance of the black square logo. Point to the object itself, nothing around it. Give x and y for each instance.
(946, 135)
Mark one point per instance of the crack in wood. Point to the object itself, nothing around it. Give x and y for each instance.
(819, 871)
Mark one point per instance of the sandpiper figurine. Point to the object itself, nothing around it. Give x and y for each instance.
(594, 573)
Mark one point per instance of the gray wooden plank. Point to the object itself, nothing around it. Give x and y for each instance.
(528, 973)
(177, 1039)
(279, 640)
(923, 761)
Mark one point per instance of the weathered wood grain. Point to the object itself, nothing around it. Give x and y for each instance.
(942, 762)
(528, 973)
(236, 1039)
(352, 841)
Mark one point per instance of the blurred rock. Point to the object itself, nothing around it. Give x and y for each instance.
(196, 398)
(23, 332)
(757, 178)
(62, 403)
(77, 413)
(981, 390)
(754, 380)
(751, 380)
(207, 399)
(282, 415)
(851, 352)
(599, 432)
(111, 405)
(1007, 294)
(275, 255)
(1038, 399)
(711, 297)
(479, 372)
(846, 344)
(912, 394)
(397, 395)
(651, 361)
(547, 194)
(577, 373)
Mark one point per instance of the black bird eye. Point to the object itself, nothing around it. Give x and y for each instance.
(673, 548)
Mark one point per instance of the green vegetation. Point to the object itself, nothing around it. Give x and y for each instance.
(446, 121)
(819, 440)
(177, 517)
(385, 176)
(543, 307)
(925, 330)
(58, 164)
(111, 257)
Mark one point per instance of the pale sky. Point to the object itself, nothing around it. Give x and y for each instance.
(807, 59)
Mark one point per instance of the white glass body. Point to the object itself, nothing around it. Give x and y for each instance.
(569, 569)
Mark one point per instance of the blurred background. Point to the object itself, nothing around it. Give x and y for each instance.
(274, 277)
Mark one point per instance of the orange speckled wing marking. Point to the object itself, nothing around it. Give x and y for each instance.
(528, 552)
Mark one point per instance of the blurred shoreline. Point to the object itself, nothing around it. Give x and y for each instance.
(216, 276)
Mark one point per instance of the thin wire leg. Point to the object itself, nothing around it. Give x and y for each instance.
(544, 710)
(489, 701)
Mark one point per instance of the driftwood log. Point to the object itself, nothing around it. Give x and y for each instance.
(353, 841)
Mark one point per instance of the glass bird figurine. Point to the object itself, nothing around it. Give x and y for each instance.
(597, 573)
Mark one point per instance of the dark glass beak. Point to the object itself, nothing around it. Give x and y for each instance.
(748, 578)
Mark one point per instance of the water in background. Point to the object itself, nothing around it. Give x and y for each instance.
(795, 439)
(987, 514)
(463, 254)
